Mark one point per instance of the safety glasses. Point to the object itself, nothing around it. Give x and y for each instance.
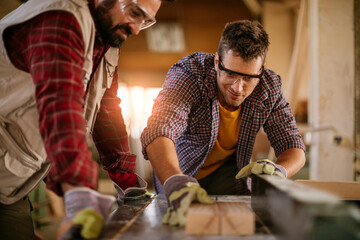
(136, 13)
(222, 68)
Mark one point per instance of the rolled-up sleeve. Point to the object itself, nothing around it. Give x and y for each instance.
(280, 126)
(171, 107)
(110, 136)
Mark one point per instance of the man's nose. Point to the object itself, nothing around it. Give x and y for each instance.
(239, 84)
(135, 27)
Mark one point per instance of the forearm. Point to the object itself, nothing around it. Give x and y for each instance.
(163, 158)
(110, 136)
(292, 160)
(66, 187)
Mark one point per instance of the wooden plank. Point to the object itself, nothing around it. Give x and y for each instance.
(343, 190)
(221, 218)
(236, 219)
(202, 219)
(285, 206)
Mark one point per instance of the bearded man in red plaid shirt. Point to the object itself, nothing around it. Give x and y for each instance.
(58, 78)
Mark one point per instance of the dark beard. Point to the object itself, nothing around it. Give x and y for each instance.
(106, 29)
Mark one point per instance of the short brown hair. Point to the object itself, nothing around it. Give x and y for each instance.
(247, 39)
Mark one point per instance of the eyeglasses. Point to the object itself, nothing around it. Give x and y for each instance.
(137, 13)
(233, 76)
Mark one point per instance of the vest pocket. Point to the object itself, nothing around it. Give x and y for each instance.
(18, 157)
(111, 63)
(91, 120)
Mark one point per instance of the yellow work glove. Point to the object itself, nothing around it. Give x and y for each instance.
(86, 211)
(86, 224)
(264, 166)
(181, 191)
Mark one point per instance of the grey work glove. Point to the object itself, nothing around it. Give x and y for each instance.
(264, 166)
(132, 193)
(86, 211)
(181, 190)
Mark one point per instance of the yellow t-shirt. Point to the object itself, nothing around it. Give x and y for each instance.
(226, 142)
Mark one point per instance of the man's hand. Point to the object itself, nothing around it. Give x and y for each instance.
(135, 192)
(264, 166)
(86, 211)
(181, 191)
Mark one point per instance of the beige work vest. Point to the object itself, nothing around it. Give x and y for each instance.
(23, 160)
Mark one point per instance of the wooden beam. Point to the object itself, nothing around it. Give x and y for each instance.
(296, 211)
(357, 88)
(343, 190)
(254, 7)
(221, 218)
(236, 219)
(202, 219)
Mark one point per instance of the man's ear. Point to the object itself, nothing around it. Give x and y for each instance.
(264, 62)
(216, 61)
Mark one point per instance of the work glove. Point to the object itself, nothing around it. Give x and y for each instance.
(263, 166)
(132, 193)
(181, 190)
(86, 211)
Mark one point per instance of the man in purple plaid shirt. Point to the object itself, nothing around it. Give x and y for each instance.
(204, 122)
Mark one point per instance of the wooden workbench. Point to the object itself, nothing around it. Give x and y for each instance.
(139, 220)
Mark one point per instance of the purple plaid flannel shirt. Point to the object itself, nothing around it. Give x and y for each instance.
(187, 111)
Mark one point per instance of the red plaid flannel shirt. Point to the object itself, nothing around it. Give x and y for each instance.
(50, 48)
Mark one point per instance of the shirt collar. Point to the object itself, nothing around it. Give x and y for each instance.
(92, 11)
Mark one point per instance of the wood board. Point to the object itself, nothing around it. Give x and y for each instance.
(221, 218)
(344, 190)
(285, 205)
